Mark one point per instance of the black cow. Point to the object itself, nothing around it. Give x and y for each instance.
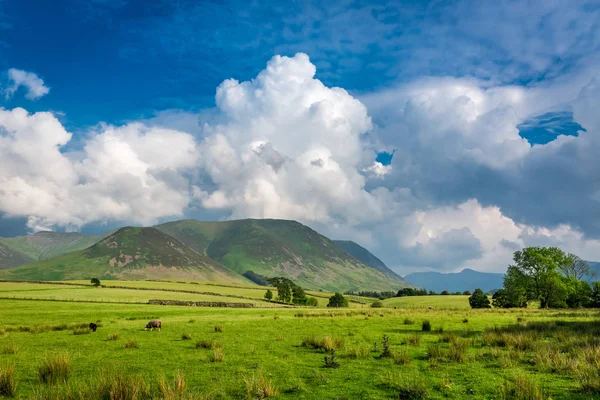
(93, 326)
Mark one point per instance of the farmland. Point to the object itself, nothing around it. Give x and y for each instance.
(224, 353)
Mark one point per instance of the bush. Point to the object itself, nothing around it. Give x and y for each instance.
(479, 300)
(95, 281)
(337, 300)
(8, 386)
(312, 301)
(377, 304)
(218, 328)
(386, 353)
(331, 361)
(269, 295)
(55, 369)
(131, 344)
(426, 326)
(186, 336)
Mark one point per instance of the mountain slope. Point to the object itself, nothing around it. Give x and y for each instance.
(128, 253)
(467, 279)
(10, 258)
(366, 257)
(281, 248)
(40, 246)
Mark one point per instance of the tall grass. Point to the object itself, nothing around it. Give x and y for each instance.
(11, 349)
(55, 369)
(8, 385)
(523, 388)
(258, 387)
(176, 391)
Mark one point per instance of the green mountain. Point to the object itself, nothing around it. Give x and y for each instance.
(366, 257)
(40, 246)
(281, 248)
(128, 253)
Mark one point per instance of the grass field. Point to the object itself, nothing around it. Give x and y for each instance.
(468, 354)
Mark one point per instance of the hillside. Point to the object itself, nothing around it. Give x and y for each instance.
(281, 248)
(40, 246)
(467, 279)
(366, 257)
(128, 253)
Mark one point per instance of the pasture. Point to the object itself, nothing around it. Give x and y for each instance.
(223, 353)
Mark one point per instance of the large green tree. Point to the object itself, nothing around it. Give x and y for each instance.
(479, 300)
(536, 275)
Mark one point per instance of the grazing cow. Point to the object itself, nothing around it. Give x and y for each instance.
(93, 326)
(155, 323)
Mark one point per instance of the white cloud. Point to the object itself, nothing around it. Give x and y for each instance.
(33, 84)
(131, 173)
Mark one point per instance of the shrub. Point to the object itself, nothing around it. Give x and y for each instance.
(479, 300)
(312, 301)
(11, 349)
(257, 387)
(55, 369)
(113, 337)
(186, 336)
(331, 362)
(377, 304)
(337, 300)
(131, 344)
(95, 281)
(217, 355)
(218, 328)
(269, 295)
(386, 353)
(408, 321)
(8, 386)
(426, 326)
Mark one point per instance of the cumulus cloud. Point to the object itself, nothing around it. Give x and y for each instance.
(131, 173)
(464, 189)
(32, 83)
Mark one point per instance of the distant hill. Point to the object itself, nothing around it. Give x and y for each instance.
(273, 247)
(40, 246)
(365, 256)
(128, 253)
(467, 279)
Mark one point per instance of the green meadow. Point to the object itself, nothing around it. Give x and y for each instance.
(272, 352)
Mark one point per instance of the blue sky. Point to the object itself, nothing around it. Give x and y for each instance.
(464, 109)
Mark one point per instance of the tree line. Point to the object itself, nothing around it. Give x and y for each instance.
(546, 275)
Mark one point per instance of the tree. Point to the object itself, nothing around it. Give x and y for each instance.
(479, 300)
(312, 301)
(595, 298)
(467, 293)
(445, 293)
(574, 267)
(95, 281)
(535, 273)
(299, 296)
(337, 300)
(579, 293)
(269, 295)
(504, 298)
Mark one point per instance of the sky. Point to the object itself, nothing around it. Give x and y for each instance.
(440, 135)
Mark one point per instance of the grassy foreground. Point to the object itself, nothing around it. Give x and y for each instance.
(215, 353)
